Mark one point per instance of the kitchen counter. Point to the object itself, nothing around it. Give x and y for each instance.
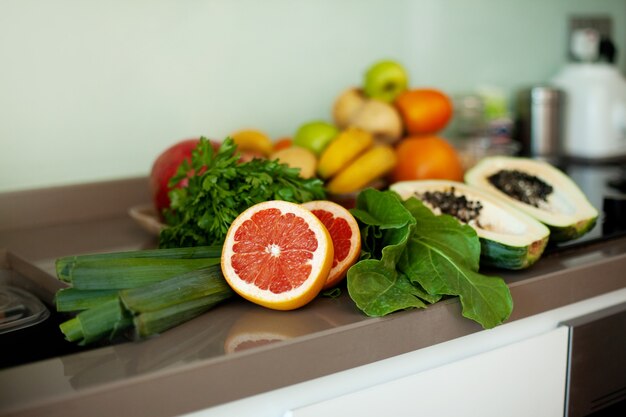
(233, 351)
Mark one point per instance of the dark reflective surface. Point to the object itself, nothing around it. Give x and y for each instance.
(605, 187)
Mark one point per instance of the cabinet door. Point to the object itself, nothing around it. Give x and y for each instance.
(526, 378)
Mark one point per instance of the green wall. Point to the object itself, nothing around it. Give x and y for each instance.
(92, 91)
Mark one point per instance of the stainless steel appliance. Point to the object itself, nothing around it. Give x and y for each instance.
(596, 377)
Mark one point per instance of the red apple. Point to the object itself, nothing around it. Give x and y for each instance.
(164, 168)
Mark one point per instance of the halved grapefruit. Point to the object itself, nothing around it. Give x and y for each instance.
(345, 234)
(277, 254)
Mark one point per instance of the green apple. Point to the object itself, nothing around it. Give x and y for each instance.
(315, 135)
(385, 80)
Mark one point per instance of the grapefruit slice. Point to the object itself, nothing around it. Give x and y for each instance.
(345, 234)
(277, 254)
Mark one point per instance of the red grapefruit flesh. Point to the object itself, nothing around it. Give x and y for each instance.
(344, 232)
(277, 254)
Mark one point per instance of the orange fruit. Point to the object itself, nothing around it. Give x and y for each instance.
(345, 234)
(430, 157)
(282, 143)
(277, 254)
(424, 111)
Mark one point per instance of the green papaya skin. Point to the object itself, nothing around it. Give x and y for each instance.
(504, 256)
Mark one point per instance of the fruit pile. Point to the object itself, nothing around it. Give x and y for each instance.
(381, 132)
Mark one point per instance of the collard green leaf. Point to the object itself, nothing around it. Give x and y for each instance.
(484, 299)
(374, 284)
(458, 241)
(377, 290)
(385, 225)
(381, 208)
(416, 255)
(442, 255)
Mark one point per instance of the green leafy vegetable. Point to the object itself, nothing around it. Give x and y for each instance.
(220, 187)
(413, 257)
(147, 291)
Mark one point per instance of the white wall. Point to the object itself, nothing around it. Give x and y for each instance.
(93, 90)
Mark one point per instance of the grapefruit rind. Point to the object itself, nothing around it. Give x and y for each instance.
(321, 261)
(338, 271)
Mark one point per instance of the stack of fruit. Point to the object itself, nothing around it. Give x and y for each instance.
(380, 131)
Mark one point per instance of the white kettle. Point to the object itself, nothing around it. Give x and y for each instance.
(594, 125)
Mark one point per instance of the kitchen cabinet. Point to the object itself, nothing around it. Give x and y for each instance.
(324, 354)
(520, 367)
(524, 378)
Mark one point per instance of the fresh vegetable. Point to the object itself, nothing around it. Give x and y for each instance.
(220, 188)
(412, 257)
(73, 299)
(509, 238)
(540, 190)
(150, 309)
(108, 306)
(119, 270)
(130, 273)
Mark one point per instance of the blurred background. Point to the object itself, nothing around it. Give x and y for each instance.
(93, 91)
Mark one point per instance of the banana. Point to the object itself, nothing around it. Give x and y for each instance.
(348, 145)
(371, 165)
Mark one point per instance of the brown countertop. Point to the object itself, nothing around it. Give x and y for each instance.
(198, 360)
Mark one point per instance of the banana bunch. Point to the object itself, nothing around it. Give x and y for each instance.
(353, 160)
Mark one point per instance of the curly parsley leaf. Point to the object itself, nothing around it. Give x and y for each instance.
(220, 187)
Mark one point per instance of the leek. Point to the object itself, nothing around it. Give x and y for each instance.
(72, 299)
(65, 265)
(152, 308)
(122, 273)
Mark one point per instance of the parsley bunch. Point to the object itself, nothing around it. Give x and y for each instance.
(220, 187)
